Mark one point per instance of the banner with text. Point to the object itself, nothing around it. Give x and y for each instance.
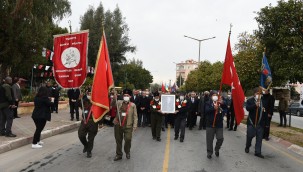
(70, 59)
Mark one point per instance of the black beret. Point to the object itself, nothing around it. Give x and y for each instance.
(156, 94)
(213, 92)
(127, 91)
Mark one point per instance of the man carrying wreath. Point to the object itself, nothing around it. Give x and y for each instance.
(181, 115)
(156, 117)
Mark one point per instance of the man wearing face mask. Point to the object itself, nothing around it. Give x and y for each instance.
(180, 119)
(256, 120)
(214, 124)
(125, 124)
(156, 117)
(142, 108)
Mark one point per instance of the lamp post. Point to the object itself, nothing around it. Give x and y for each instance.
(199, 40)
(179, 74)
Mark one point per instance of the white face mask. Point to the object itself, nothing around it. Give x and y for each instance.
(257, 96)
(111, 96)
(229, 96)
(181, 97)
(126, 98)
(88, 97)
(215, 98)
(156, 99)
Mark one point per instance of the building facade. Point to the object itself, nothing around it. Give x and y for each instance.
(184, 68)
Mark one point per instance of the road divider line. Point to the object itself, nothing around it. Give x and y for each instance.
(166, 154)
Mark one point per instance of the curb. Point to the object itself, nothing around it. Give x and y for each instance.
(286, 144)
(10, 145)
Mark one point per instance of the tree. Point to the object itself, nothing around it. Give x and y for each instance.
(26, 26)
(206, 77)
(281, 31)
(134, 74)
(248, 60)
(179, 81)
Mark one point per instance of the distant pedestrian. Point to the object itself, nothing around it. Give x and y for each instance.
(41, 114)
(73, 95)
(56, 96)
(256, 121)
(88, 129)
(126, 122)
(17, 95)
(7, 106)
(201, 110)
(283, 108)
(214, 124)
(193, 103)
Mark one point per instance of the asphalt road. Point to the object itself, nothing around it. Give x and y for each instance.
(64, 153)
(296, 121)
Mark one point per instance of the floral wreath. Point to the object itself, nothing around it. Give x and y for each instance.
(183, 103)
(154, 106)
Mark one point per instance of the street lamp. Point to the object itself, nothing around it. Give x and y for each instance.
(200, 40)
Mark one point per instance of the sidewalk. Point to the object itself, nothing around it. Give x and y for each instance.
(24, 128)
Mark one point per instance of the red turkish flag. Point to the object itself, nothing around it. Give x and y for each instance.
(163, 90)
(103, 81)
(230, 77)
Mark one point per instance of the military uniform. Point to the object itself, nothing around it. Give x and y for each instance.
(180, 119)
(129, 121)
(88, 128)
(156, 118)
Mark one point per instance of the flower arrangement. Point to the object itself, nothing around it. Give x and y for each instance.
(155, 105)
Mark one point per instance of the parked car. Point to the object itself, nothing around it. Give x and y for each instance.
(296, 109)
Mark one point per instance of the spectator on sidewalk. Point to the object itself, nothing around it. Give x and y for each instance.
(73, 95)
(41, 114)
(283, 108)
(88, 128)
(56, 95)
(17, 96)
(7, 105)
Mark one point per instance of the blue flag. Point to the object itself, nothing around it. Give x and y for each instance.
(266, 78)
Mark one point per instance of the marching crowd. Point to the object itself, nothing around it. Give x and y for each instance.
(132, 109)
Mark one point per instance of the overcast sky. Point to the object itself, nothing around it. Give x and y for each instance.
(157, 28)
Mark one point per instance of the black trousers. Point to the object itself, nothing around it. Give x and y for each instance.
(6, 120)
(40, 124)
(74, 108)
(267, 128)
(180, 125)
(87, 133)
(55, 105)
(283, 116)
(233, 122)
(191, 119)
(228, 116)
(15, 109)
(169, 118)
(202, 123)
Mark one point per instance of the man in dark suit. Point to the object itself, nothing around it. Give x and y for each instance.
(201, 110)
(270, 111)
(16, 95)
(143, 108)
(193, 103)
(256, 120)
(73, 95)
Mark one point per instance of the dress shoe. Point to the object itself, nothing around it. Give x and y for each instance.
(190, 128)
(2, 134)
(200, 128)
(259, 155)
(176, 138)
(163, 129)
(77, 119)
(56, 111)
(217, 154)
(181, 140)
(154, 138)
(159, 139)
(36, 146)
(117, 158)
(230, 129)
(17, 117)
(84, 149)
(267, 139)
(128, 155)
(247, 150)
(235, 129)
(209, 156)
(72, 119)
(10, 135)
(89, 154)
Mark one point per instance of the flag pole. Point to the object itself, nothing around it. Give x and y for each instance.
(219, 94)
